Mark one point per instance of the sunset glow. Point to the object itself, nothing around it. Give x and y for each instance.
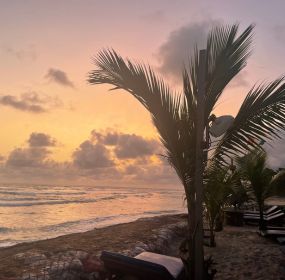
(46, 50)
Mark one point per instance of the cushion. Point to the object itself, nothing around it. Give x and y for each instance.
(172, 264)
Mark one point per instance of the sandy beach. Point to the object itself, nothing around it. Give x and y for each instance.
(240, 253)
(14, 261)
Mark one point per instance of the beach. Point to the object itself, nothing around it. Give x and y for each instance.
(240, 253)
(124, 238)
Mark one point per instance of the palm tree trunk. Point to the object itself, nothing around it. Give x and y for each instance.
(212, 239)
(191, 259)
(212, 233)
(198, 249)
(261, 215)
(189, 239)
(219, 220)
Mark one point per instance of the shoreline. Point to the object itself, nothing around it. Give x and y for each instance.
(106, 223)
(127, 239)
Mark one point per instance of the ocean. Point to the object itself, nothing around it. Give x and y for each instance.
(37, 212)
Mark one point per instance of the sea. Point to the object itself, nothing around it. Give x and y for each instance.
(37, 212)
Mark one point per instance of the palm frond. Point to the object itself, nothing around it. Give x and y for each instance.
(261, 116)
(253, 168)
(227, 54)
(169, 110)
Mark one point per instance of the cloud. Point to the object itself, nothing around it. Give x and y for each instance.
(108, 174)
(240, 80)
(157, 16)
(175, 52)
(134, 146)
(120, 156)
(33, 164)
(127, 146)
(276, 153)
(2, 158)
(90, 156)
(21, 54)
(27, 157)
(41, 140)
(21, 104)
(35, 155)
(30, 102)
(279, 32)
(107, 157)
(109, 138)
(59, 77)
(150, 173)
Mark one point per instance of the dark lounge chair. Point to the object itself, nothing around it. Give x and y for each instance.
(272, 232)
(246, 215)
(264, 215)
(275, 227)
(145, 266)
(267, 212)
(272, 218)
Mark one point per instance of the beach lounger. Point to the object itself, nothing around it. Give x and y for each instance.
(275, 217)
(145, 266)
(268, 211)
(275, 227)
(264, 215)
(272, 232)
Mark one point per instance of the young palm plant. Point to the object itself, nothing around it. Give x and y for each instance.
(173, 114)
(219, 184)
(239, 194)
(263, 181)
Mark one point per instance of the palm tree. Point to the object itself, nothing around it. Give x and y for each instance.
(223, 187)
(279, 188)
(219, 183)
(173, 114)
(263, 181)
(239, 194)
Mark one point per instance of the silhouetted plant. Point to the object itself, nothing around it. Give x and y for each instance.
(219, 184)
(239, 194)
(173, 114)
(262, 181)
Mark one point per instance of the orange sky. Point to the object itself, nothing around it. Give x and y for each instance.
(37, 36)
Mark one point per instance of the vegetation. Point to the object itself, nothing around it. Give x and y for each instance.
(173, 114)
(239, 194)
(262, 181)
(222, 188)
(279, 188)
(218, 185)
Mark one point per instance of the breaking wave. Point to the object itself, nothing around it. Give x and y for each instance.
(55, 202)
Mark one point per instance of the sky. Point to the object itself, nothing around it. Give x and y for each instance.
(58, 129)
